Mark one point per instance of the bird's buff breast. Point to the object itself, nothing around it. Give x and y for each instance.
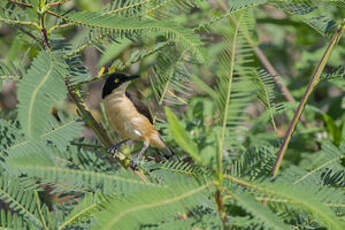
(124, 118)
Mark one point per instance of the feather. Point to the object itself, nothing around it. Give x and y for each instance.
(141, 107)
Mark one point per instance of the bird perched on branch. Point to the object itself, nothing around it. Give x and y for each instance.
(128, 116)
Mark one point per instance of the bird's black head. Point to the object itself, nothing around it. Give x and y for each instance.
(114, 81)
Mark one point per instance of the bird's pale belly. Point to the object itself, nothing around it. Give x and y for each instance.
(125, 120)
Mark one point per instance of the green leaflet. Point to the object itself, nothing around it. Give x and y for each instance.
(88, 206)
(301, 198)
(59, 135)
(153, 205)
(42, 87)
(18, 199)
(182, 137)
(11, 221)
(267, 93)
(122, 25)
(113, 50)
(263, 213)
(47, 166)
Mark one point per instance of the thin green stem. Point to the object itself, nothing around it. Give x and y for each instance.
(244, 183)
(26, 23)
(166, 87)
(170, 72)
(38, 205)
(311, 86)
(57, 27)
(219, 199)
(77, 215)
(227, 102)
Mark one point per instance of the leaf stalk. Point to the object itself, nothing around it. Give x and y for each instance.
(311, 86)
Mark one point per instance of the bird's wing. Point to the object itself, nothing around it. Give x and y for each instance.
(141, 107)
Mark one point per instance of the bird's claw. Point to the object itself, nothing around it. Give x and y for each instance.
(114, 149)
(134, 164)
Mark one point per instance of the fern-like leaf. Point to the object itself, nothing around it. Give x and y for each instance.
(311, 13)
(298, 198)
(171, 78)
(123, 26)
(185, 168)
(90, 205)
(267, 93)
(59, 134)
(18, 198)
(328, 158)
(10, 71)
(50, 169)
(262, 213)
(10, 221)
(152, 206)
(42, 87)
(301, 197)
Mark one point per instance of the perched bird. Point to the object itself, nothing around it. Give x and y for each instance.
(128, 116)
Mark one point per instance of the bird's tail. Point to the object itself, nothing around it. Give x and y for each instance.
(170, 154)
(158, 142)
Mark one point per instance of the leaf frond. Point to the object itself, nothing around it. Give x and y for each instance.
(122, 26)
(41, 88)
(133, 211)
(19, 199)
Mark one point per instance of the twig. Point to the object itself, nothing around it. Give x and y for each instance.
(52, 13)
(43, 30)
(221, 209)
(88, 118)
(56, 3)
(312, 84)
(21, 4)
(86, 145)
(45, 37)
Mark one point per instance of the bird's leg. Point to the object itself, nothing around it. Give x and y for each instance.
(115, 148)
(135, 160)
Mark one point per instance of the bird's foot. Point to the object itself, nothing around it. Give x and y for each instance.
(114, 149)
(134, 164)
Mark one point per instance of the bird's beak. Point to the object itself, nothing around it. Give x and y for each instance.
(129, 78)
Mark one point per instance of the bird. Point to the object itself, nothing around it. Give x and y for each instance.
(129, 117)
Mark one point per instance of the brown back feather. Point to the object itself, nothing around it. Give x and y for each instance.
(141, 107)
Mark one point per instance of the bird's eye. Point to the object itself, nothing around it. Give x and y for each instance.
(116, 80)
